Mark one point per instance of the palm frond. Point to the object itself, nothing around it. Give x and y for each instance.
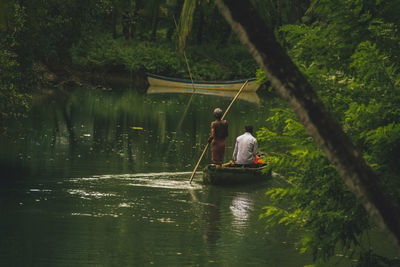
(185, 23)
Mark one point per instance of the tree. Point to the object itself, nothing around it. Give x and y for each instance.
(185, 23)
(14, 101)
(294, 88)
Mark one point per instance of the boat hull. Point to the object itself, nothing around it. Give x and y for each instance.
(234, 175)
(162, 81)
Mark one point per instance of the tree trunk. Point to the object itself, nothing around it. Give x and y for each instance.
(125, 21)
(200, 29)
(114, 24)
(132, 26)
(278, 13)
(326, 131)
(154, 25)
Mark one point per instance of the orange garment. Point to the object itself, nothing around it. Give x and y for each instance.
(218, 151)
(257, 160)
(219, 132)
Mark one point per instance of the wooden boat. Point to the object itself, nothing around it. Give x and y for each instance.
(228, 174)
(234, 85)
(251, 97)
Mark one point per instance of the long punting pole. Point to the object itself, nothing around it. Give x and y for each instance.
(226, 111)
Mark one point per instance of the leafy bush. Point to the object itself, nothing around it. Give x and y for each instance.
(14, 102)
(103, 52)
(316, 202)
(356, 74)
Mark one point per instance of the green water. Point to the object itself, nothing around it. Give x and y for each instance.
(81, 187)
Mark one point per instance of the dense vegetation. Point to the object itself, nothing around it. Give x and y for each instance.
(14, 100)
(349, 51)
(124, 36)
(105, 53)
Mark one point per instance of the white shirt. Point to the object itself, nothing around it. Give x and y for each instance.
(245, 149)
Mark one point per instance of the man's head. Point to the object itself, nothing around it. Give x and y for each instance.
(218, 113)
(249, 128)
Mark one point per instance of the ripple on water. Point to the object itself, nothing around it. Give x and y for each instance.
(168, 180)
(109, 195)
(89, 194)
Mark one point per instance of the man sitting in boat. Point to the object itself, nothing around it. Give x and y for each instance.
(245, 152)
(219, 132)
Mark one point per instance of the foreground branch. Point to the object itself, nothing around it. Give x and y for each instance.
(326, 131)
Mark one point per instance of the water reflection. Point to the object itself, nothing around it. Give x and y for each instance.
(97, 132)
(156, 180)
(105, 182)
(89, 194)
(146, 217)
(241, 207)
(212, 218)
(251, 97)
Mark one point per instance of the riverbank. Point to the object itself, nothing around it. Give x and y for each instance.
(69, 76)
(103, 60)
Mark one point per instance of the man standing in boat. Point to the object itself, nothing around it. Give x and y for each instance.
(219, 132)
(246, 146)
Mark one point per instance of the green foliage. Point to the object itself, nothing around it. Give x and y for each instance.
(348, 50)
(106, 53)
(14, 102)
(316, 201)
(281, 12)
(229, 62)
(185, 23)
(349, 53)
(206, 62)
(3, 14)
(109, 36)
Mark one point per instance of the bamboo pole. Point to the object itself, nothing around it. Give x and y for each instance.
(226, 111)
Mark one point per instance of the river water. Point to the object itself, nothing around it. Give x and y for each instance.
(99, 177)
